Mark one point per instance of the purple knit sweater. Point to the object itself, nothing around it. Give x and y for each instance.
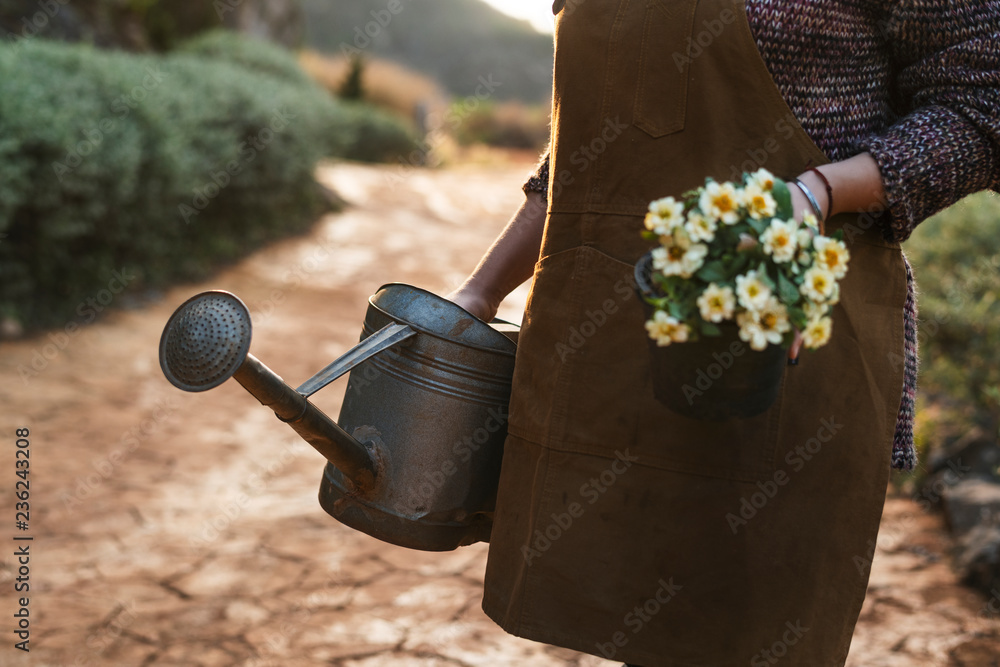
(916, 83)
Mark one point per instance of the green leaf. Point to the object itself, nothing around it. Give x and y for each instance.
(709, 329)
(787, 291)
(759, 226)
(712, 272)
(783, 198)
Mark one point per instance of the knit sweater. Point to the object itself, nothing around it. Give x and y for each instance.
(916, 83)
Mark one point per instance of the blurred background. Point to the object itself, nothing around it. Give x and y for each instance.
(301, 153)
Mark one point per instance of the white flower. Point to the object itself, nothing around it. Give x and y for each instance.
(773, 319)
(759, 204)
(751, 331)
(817, 332)
(721, 202)
(699, 227)
(810, 221)
(832, 255)
(767, 325)
(664, 216)
(780, 240)
(819, 285)
(717, 303)
(752, 292)
(763, 179)
(815, 310)
(666, 330)
(678, 256)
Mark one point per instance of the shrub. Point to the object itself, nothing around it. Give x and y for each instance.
(956, 258)
(161, 165)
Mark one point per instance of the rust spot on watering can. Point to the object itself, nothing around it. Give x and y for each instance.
(461, 326)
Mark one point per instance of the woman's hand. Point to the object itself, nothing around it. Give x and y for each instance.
(856, 185)
(475, 301)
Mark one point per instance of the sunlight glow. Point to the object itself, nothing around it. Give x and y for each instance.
(537, 12)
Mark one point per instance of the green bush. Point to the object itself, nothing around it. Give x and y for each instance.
(956, 259)
(164, 166)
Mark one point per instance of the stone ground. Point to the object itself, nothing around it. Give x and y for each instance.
(182, 529)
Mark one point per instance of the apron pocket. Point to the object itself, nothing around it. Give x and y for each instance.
(583, 382)
(661, 90)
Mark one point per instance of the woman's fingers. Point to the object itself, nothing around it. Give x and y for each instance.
(793, 351)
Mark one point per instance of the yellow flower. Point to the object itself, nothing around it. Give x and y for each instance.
(664, 216)
(721, 202)
(759, 204)
(678, 256)
(717, 303)
(699, 227)
(763, 179)
(780, 240)
(666, 330)
(817, 332)
(832, 255)
(752, 292)
(820, 284)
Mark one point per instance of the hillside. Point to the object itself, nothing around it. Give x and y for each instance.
(455, 41)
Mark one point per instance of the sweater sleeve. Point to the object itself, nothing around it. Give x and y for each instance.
(539, 179)
(946, 141)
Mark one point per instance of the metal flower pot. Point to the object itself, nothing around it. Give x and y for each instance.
(712, 378)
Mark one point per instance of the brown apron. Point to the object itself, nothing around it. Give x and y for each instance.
(623, 529)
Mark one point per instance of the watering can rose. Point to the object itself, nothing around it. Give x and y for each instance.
(733, 254)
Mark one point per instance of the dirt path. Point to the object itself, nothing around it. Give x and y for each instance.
(180, 529)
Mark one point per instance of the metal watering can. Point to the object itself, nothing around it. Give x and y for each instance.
(414, 458)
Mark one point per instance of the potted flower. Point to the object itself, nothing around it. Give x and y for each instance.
(732, 279)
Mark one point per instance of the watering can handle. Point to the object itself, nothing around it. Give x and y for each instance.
(381, 340)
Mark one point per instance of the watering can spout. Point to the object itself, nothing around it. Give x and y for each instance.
(207, 341)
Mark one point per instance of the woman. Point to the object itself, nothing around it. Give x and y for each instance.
(623, 529)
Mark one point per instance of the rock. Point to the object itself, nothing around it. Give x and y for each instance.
(975, 453)
(979, 559)
(970, 503)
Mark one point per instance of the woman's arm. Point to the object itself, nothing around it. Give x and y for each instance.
(509, 262)
(856, 184)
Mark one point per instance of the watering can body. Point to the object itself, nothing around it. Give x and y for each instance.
(435, 406)
(414, 458)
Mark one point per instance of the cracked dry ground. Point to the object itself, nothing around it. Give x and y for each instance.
(182, 529)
